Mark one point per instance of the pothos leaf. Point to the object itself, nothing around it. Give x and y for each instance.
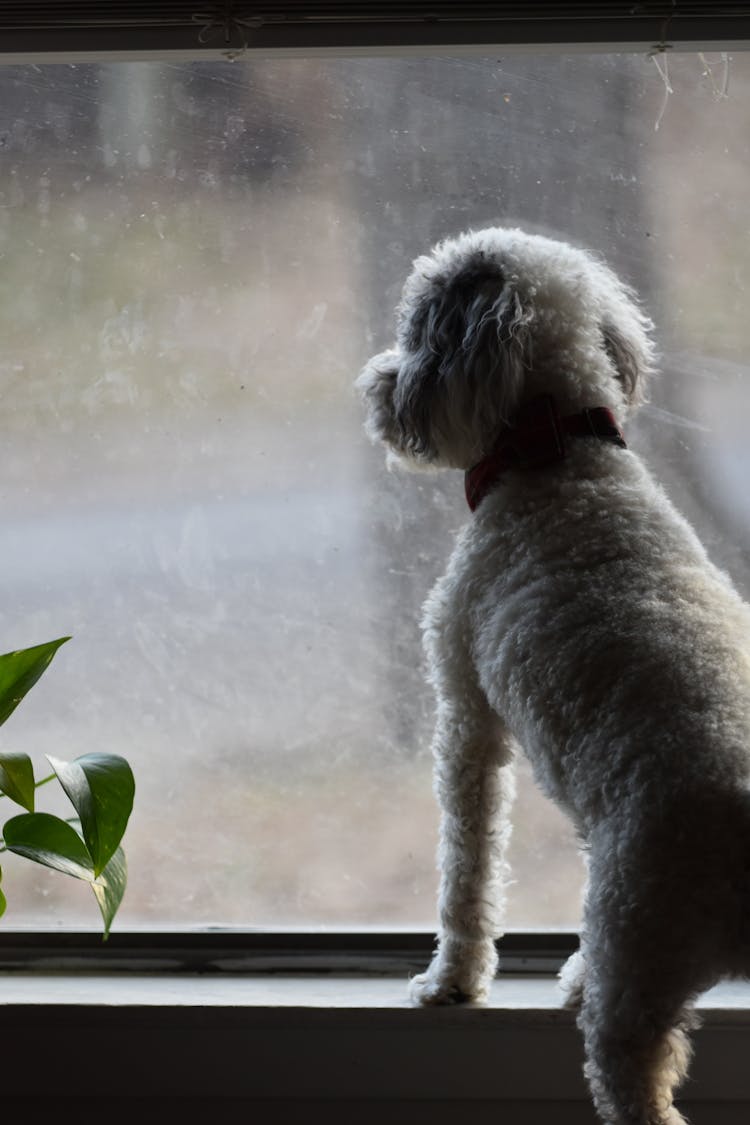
(49, 840)
(17, 778)
(20, 670)
(110, 887)
(55, 843)
(101, 788)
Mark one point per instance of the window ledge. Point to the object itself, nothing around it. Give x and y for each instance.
(517, 998)
(344, 1040)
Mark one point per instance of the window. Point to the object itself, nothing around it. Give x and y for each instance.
(197, 258)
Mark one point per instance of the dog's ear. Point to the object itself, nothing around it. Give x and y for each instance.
(479, 330)
(627, 338)
(629, 360)
(466, 351)
(376, 384)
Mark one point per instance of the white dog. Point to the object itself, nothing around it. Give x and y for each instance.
(579, 618)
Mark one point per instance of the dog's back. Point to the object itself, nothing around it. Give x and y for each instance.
(618, 654)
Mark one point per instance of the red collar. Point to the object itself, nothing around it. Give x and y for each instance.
(538, 440)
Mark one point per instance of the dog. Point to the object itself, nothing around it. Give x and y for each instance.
(580, 620)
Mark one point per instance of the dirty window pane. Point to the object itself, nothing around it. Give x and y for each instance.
(196, 260)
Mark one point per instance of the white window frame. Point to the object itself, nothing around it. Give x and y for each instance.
(343, 1040)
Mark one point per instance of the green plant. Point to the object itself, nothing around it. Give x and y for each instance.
(100, 787)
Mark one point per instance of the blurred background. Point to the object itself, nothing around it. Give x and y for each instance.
(195, 262)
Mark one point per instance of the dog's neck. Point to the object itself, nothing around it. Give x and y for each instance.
(538, 440)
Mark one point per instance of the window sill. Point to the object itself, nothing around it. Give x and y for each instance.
(345, 1041)
(516, 999)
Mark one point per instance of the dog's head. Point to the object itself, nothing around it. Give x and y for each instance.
(486, 323)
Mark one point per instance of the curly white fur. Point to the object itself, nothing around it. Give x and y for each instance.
(581, 619)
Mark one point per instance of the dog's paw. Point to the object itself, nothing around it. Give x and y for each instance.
(429, 988)
(570, 980)
(460, 973)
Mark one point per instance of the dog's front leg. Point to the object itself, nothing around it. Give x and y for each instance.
(474, 785)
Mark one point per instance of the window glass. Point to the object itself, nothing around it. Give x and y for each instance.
(196, 261)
